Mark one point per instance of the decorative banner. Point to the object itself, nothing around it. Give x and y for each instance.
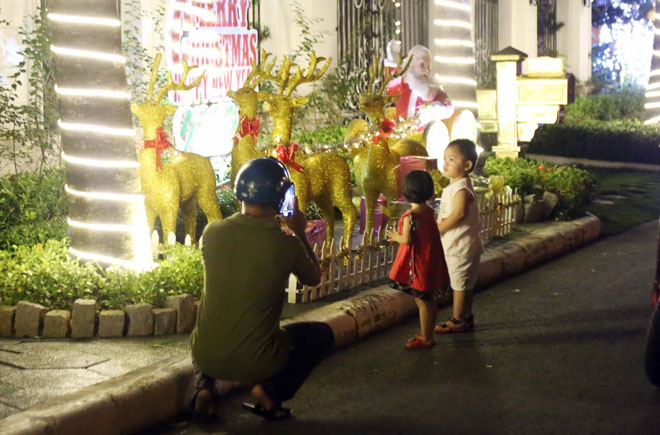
(213, 35)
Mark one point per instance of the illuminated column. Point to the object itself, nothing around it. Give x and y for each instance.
(507, 62)
(106, 206)
(453, 50)
(652, 105)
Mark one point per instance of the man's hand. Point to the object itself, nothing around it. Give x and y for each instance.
(297, 222)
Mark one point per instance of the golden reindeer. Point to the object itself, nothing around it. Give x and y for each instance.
(376, 164)
(324, 177)
(187, 178)
(247, 98)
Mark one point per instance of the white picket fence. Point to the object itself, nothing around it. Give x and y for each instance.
(498, 213)
(344, 269)
(372, 260)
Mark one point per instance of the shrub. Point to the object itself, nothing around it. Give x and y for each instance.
(618, 141)
(33, 207)
(324, 136)
(46, 274)
(573, 185)
(624, 104)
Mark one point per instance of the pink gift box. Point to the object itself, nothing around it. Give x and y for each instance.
(316, 232)
(411, 163)
(380, 220)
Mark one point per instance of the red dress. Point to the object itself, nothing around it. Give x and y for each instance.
(429, 270)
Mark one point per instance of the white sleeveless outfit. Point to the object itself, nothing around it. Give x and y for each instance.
(462, 244)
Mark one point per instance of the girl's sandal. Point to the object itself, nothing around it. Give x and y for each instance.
(453, 326)
(416, 344)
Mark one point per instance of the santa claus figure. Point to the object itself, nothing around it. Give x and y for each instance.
(417, 88)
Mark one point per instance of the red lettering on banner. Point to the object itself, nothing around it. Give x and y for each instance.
(245, 4)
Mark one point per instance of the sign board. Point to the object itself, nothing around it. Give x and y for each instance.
(213, 35)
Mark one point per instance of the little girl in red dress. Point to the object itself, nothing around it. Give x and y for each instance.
(419, 267)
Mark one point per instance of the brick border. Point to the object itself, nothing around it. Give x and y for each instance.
(27, 319)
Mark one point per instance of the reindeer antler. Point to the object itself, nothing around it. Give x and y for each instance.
(377, 69)
(288, 83)
(170, 85)
(262, 71)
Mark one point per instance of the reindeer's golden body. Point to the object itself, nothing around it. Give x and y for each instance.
(377, 165)
(325, 178)
(186, 179)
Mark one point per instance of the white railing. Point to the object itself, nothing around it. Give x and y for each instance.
(372, 260)
(498, 213)
(344, 269)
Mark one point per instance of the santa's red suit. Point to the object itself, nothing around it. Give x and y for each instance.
(410, 101)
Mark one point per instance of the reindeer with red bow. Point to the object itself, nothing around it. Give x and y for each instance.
(248, 98)
(323, 178)
(187, 178)
(376, 163)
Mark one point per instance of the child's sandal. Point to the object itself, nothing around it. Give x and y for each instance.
(416, 343)
(454, 325)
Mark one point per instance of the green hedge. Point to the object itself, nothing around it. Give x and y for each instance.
(47, 275)
(574, 186)
(617, 141)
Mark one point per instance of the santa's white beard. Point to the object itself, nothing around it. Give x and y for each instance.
(420, 84)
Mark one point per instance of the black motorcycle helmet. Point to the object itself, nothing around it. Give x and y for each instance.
(262, 181)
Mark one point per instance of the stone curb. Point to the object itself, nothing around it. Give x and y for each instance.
(27, 319)
(144, 397)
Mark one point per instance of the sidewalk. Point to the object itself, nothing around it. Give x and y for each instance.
(126, 401)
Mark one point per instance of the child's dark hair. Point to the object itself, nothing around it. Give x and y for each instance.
(467, 148)
(418, 186)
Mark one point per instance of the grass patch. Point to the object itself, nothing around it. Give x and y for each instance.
(625, 198)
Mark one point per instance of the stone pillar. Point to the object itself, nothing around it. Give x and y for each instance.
(507, 63)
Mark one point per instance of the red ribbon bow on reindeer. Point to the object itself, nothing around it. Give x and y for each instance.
(288, 156)
(385, 130)
(160, 143)
(247, 126)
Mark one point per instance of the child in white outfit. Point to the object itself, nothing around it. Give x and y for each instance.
(459, 228)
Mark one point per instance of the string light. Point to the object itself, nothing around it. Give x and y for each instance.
(105, 93)
(110, 196)
(453, 23)
(93, 128)
(97, 55)
(461, 60)
(78, 19)
(106, 259)
(100, 163)
(454, 43)
(453, 5)
(106, 227)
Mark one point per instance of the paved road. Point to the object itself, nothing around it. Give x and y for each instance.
(558, 349)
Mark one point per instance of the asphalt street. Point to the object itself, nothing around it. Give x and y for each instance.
(557, 349)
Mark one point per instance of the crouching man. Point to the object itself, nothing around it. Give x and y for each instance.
(247, 260)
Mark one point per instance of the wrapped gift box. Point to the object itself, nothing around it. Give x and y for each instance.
(380, 219)
(316, 231)
(411, 163)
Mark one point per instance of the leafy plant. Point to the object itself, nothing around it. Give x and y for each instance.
(574, 186)
(30, 128)
(32, 207)
(46, 274)
(616, 141)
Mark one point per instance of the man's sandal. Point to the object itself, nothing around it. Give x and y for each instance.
(278, 413)
(203, 407)
(416, 343)
(453, 325)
